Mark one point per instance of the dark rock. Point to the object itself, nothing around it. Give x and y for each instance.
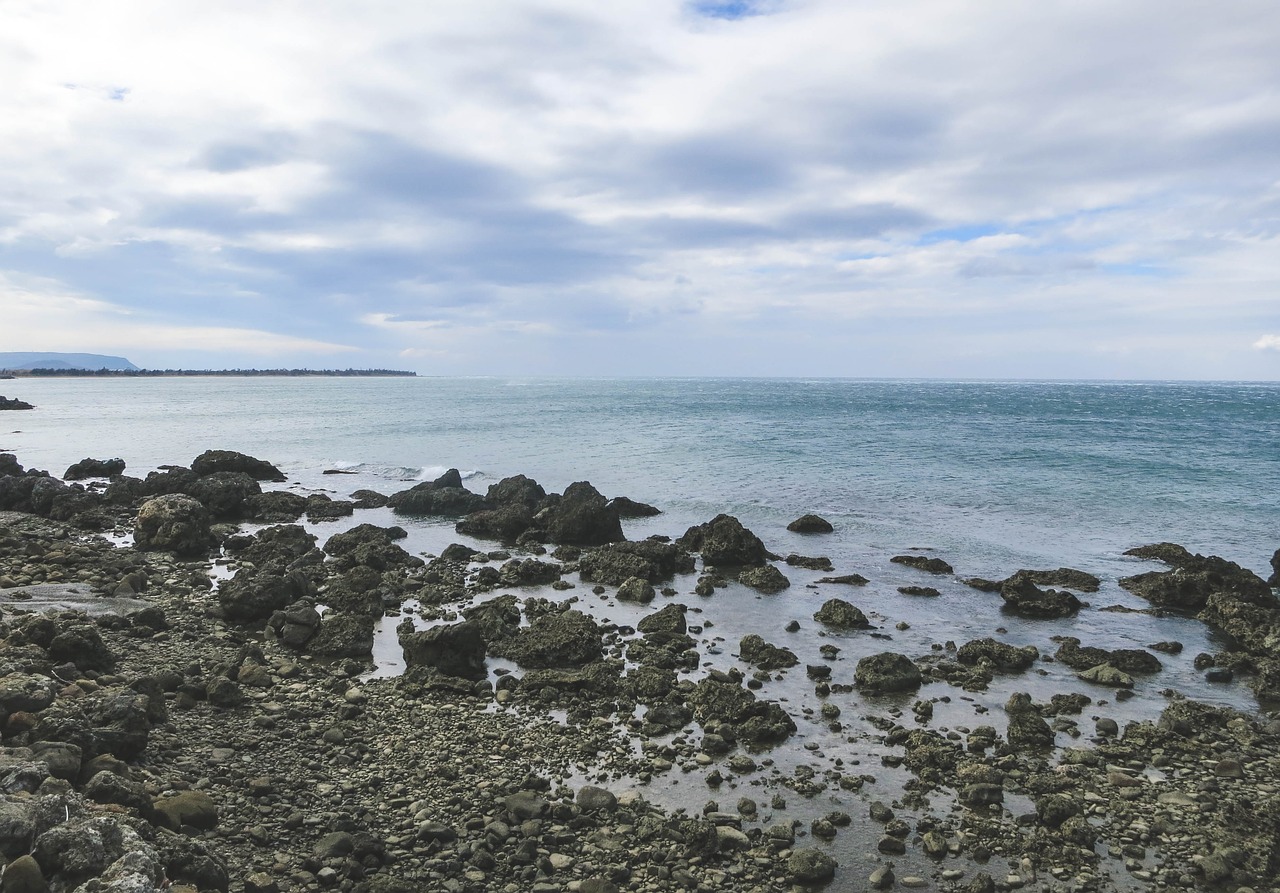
(808, 563)
(1027, 729)
(1024, 598)
(651, 560)
(846, 580)
(926, 591)
(505, 523)
(175, 523)
(322, 508)
(518, 491)
(1105, 674)
(368, 499)
(724, 541)
(1064, 576)
(998, 654)
(195, 809)
(767, 579)
(924, 563)
(810, 524)
(629, 508)
(566, 639)
(1193, 580)
(82, 645)
(456, 650)
(806, 865)
(1130, 660)
(529, 572)
(23, 875)
(275, 507)
(636, 589)
(7, 403)
(756, 651)
(751, 720)
(581, 517)
(214, 461)
(225, 493)
(249, 597)
(370, 546)
(273, 548)
(1274, 579)
(444, 496)
(594, 799)
(94, 468)
(343, 635)
(841, 615)
(168, 480)
(668, 621)
(887, 671)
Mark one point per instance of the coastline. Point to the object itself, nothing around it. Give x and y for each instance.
(323, 775)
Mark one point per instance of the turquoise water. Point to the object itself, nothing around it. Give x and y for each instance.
(996, 475)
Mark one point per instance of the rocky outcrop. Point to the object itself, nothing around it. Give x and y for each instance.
(94, 468)
(455, 650)
(840, 614)
(214, 461)
(1027, 728)
(767, 579)
(275, 507)
(176, 523)
(887, 671)
(924, 563)
(810, 524)
(565, 639)
(723, 541)
(14, 403)
(629, 508)
(1193, 580)
(224, 493)
(370, 546)
(1130, 660)
(1024, 598)
(756, 651)
(444, 496)
(650, 560)
(581, 517)
(999, 655)
(733, 713)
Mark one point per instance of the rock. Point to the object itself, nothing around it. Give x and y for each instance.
(651, 560)
(275, 507)
(751, 720)
(819, 563)
(636, 589)
(1027, 729)
(594, 799)
(882, 878)
(629, 508)
(247, 597)
(193, 808)
(13, 403)
(566, 639)
(343, 635)
(1024, 598)
(846, 580)
(1105, 674)
(755, 650)
(887, 671)
(1194, 579)
(214, 461)
(581, 517)
(1000, 655)
(223, 692)
(806, 865)
(455, 650)
(723, 541)
(1274, 579)
(810, 524)
(668, 621)
(225, 493)
(444, 496)
(767, 579)
(321, 508)
(841, 615)
(174, 523)
(926, 591)
(370, 546)
(982, 794)
(23, 875)
(1130, 660)
(368, 499)
(94, 468)
(924, 563)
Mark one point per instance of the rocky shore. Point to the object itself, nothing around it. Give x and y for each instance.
(196, 710)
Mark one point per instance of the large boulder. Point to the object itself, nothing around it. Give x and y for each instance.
(737, 713)
(275, 506)
(810, 524)
(651, 560)
(887, 671)
(369, 545)
(94, 468)
(455, 650)
(169, 479)
(1024, 598)
(505, 523)
(1000, 655)
(1274, 579)
(767, 579)
(343, 635)
(1027, 728)
(581, 517)
(214, 461)
(754, 650)
(224, 493)
(566, 639)
(517, 491)
(249, 597)
(175, 523)
(723, 541)
(444, 496)
(1193, 580)
(924, 563)
(273, 547)
(1130, 660)
(840, 614)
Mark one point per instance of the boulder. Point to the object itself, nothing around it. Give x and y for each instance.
(581, 517)
(529, 572)
(636, 589)
(192, 808)
(175, 523)
(249, 597)
(94, 468)
(924, 563)
(1067, 577)
(810, 524)
(651, 560)
(371, 546)
(1027, 728)
(505, 523)
(1024, 598)
(846, 580)
(275, 507)
(629, 508)
(999, 654)
(756, 651)
(887, 671)
(214, 461)
(14, 403)
(274, 547)
(1274, 579)
(322, 508)
(723, 541)
(738, 712)
(1129, 660)
(343, 635)
(224, 493)
(841, 615)
(565, 639)
(368, 499)
(767, 579)
(670, 620)
(455, 650)
(1105, 674)
(807, 865)
(1194, 579)
(519, 491)
(169, 479)
(444, 496)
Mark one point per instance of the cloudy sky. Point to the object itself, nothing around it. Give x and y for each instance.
(1049, 189)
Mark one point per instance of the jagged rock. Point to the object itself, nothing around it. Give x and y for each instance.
(455, 650)
(756, 651)
(724, 541)
(273, 548)
(505, 523)
(1274, 579)
(94, 468)
(224, 493)
(566, 639)
(529, 572)
(275, 507)
(820, 563)
(737, 710)
(810, 524)
(214, 461)
(1000, 655)
(629, 508)
(370, 546)
(670, 620)
(1129, 660)
(444, 496)
(14, 403)
(767, 579)
(887, 671)
(1067, 577)
(248, 597)
(651, 560)
(924, 563)
(1194, 579)
(175, 523)
(322, 508)
(343, 635)
(925, 591)
(368, 499)
(581, 517)
(1027, 729)
(841, 615)
(1024, 598)
(636, 589)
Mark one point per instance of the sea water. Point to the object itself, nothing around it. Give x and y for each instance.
(992, 476)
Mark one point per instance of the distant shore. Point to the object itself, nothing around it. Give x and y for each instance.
(238, 373)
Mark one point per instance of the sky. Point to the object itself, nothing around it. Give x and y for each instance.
(914, 188)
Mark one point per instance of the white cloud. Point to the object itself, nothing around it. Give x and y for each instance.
(1268, 342)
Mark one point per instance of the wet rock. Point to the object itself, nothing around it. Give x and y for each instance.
(455, 650)
(629, 508)
(566, 639)
(926, 591)
(1027, 729)
(723, 541)
(924, 563)
(1024, 598)
(1130, 660)
(248, 597)
(175, 523)
(195, 809)
(1066, 577)
(13, 403)
(636, 589)
(739, 712)
(275, 507)
(767, 579)
(1004, 657)
(840, 614)
(1274, 579)
(94, 468)
(321, 508)
(343, 635)
(887, 671)
(806, 865)
(593, 799)
(810, 524)
(846, 580)
(529, 572)
(670, 621)
(369, 499)
(756, 651)
(1105, 674)
(446, 496)
(1193, 580)
(581, 517)
(273, 548)
(225, 493)
(214, 461)
(650, 560)
(23, 875)
(810, 563)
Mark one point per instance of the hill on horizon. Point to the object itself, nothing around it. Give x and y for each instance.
(53, 360)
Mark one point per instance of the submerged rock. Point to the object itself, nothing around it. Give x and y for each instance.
(924, 563)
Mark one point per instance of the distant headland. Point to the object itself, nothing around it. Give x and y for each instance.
(76, 365)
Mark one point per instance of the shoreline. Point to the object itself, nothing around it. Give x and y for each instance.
(296, 751)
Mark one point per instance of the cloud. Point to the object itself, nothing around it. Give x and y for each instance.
(1268, 342)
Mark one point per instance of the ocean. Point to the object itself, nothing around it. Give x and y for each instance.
(992, 476)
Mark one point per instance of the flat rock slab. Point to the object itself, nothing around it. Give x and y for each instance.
(42, 597)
